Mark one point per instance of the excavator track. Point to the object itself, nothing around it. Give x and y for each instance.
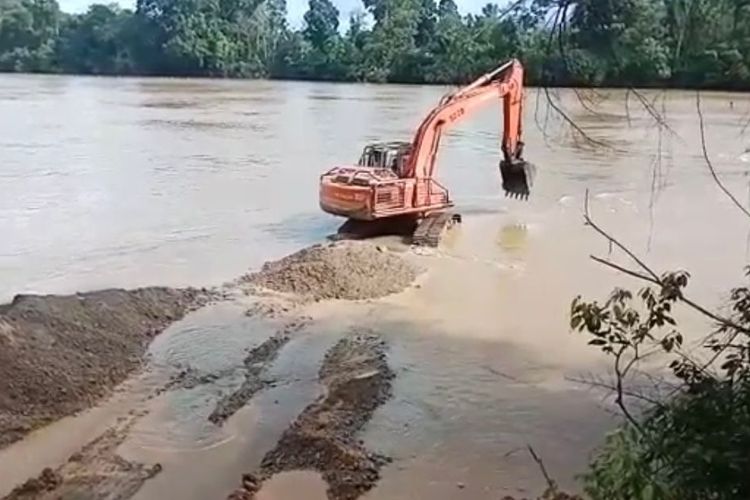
(353, 229)
(433, 227)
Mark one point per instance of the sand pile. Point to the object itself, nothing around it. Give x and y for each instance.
(61, 354)
(342, 270)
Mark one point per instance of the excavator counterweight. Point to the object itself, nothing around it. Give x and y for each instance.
(393, 188)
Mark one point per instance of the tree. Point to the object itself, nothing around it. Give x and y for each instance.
(497, 38)
(94, 42)
(28, 31)
(392, 50)
(200, 37)
(454, 47)
(321, 23)
(326, 53)
(620, 41)
(427, 23)
(693, 43)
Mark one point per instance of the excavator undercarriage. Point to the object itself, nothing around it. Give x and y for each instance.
(426, 231)
(432, 228)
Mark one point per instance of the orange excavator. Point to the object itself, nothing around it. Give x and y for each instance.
(393, 188)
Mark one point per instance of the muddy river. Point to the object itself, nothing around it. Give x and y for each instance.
(132, 182)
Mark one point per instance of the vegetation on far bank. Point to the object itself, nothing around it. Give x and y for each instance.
(682, 43)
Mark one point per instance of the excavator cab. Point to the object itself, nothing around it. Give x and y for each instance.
(391, 156)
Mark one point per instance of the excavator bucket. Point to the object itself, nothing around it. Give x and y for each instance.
(518, 178)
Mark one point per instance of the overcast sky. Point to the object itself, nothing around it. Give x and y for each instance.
(296, 8)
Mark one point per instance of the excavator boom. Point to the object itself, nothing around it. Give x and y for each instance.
(396, 181)
(505, 85)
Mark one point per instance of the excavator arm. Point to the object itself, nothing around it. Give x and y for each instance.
(394, 189)
(505, 84)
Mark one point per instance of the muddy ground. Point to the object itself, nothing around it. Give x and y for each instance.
(357, 378)
(62, 354)
(97, 471)
(256, 364)
(59, 355)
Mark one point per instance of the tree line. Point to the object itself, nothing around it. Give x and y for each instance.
(683, 43)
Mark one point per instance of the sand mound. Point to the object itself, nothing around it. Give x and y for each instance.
(60, 354)
(342, 270)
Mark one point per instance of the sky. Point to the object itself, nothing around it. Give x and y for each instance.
(296, 8)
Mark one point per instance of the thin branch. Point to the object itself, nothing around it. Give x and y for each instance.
(626, 392)
(511, 8)
(625, 270)
(627, 106)
(590, 222)
(745, 126)
(550, 482)
(567, 119)
(649, 107)
(708, 160)
(718, 319)
(655, 185)
(725, 345)
(555, 35)
(656, 382)
(585, 102)
(540, 126)
(620, 374)
(649, 274)
(563, 14)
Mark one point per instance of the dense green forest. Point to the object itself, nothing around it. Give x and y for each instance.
(686, 43)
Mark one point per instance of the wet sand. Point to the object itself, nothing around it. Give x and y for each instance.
(62, 354)
(470, 390)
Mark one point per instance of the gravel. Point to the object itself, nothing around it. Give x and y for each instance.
(342, 270)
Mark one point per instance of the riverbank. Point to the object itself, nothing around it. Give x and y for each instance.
(62, 354)
(319, 384)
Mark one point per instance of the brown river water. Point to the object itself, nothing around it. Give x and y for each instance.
(129, 182)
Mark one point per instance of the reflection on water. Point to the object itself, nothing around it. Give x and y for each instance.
(512, 238)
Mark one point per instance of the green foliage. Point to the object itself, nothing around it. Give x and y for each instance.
(690, 444)
(695, 43)
(693, 447)
(28, 32)
(90, 43)
(322, 23)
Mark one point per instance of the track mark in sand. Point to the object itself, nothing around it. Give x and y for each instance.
(256, 363)
(323, 438)
(96, 471)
